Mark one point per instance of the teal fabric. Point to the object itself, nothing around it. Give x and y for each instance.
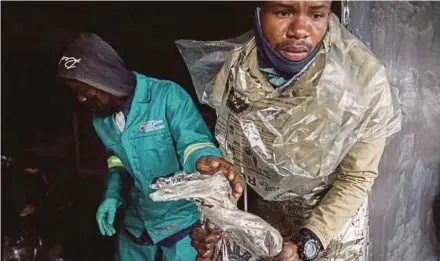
(162, 123)
(130, 251)
(105, 216)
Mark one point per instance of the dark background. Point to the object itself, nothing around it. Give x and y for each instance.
(38, 110)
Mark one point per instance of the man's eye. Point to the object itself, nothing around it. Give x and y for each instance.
(283, 14)
(317, 16)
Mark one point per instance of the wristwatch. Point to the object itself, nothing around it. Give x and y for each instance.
(308, 244)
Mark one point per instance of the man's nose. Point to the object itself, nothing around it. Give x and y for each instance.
(298, 27)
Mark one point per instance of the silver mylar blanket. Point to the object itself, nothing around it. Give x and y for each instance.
(287, 148)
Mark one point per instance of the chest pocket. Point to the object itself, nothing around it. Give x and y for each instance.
(155, 154)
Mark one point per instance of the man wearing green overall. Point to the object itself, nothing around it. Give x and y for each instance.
(151, 129)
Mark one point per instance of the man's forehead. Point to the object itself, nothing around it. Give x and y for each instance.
(313, 3)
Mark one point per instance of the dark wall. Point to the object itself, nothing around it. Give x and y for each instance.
(405, 36)
(37, 109)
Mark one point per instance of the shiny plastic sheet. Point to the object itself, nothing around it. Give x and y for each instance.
(405, 36)
(291, 140)
(211, 193)
(205, 59)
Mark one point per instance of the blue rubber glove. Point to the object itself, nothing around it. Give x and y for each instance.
(105, 216)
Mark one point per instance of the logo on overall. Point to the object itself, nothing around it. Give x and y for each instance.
(69, 62)
(151, 126)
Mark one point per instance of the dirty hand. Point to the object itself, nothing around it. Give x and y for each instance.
(211, 165)
(204, 242)
(288, 253)
(105, 216)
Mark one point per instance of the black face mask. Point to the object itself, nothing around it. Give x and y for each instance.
(98, 108)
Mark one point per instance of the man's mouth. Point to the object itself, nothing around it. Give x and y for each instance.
(94, 107)
(294, 53)
(100, 110)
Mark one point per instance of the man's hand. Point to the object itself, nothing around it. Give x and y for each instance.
(288, 253)
(210, 165)
(204, 243)
(105, 216)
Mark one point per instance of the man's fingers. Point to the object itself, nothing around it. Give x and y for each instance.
(205, 169)
(230, 172)
(100, 220)
(200, 257)
(237, 189)
(198, 234)
(203, 255)
(101, 228)
(206, 253)
(234, 180)
(100, 215)
(110, 230)
(214, 164)
(204, 241)
(107, 230)
(203, 165)
(214, 237)
(209, 165)
(111, 215)
(290, 252)
(209, 162)
(202, 246)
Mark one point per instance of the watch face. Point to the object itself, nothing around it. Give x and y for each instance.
(310, 249)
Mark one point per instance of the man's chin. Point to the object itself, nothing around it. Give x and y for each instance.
(102, 112)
